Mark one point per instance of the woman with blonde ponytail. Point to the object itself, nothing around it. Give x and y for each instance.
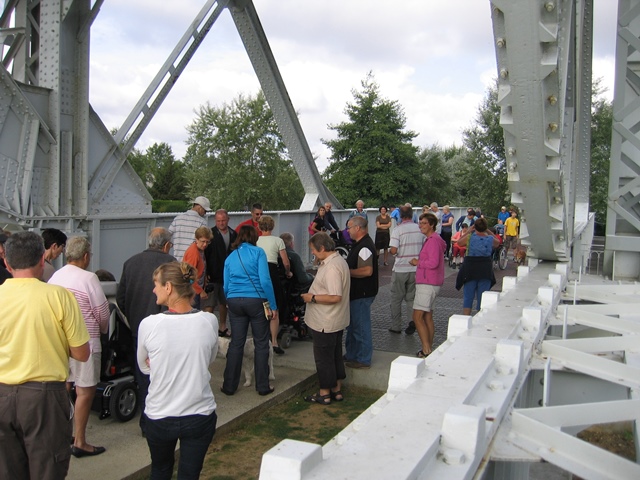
(176, 348)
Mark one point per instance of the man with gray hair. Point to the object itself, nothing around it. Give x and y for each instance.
(135, 295)
(363, 268)
(94, 306)
(41, 327)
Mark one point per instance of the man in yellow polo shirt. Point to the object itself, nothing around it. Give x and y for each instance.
(40, 326)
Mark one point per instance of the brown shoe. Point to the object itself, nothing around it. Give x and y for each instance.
(357, 365)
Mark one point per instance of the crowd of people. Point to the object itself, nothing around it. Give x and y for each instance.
(186, 272)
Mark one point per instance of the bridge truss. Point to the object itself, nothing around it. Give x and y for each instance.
(61, 167)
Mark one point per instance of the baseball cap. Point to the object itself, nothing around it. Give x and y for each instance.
(203, 202)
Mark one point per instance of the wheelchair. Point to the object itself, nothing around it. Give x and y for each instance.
(499, 257)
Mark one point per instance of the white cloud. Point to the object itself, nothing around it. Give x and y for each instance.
(435, 58)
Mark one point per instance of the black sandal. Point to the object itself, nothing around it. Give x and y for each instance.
(224, 333)
(421, 354)
(319, 399)
(337, 396)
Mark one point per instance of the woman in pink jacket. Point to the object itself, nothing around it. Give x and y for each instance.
(429, 279)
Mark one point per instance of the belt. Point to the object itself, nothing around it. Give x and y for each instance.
(36, 385)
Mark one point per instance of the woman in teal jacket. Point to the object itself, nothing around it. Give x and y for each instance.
(247, 285)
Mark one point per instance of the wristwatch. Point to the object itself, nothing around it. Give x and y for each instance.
(313, 299)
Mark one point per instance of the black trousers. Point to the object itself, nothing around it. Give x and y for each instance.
(327, 352)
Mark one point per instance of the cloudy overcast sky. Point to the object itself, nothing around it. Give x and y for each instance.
(435, 58)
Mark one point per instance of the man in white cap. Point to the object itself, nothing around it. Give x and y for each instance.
(184, 226)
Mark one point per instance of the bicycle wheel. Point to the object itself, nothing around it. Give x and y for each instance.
(502, 258)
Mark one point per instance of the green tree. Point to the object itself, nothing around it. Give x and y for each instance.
(601, 125)
(168, 174)
(236, 157)
(438, 184)
(373, 157)
(480, 171)
(140, 164)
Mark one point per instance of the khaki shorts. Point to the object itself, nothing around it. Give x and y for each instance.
(86, 374)
(214, 298)
(510, 241)
(425, 297)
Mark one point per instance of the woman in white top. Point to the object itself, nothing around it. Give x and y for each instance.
(176, 348)
(274, 247)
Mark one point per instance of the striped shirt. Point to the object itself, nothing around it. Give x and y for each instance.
(184, 228)
(86, 287)
(408, 239)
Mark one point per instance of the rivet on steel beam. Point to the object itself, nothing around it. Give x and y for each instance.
(501, 42)
(557, 200)
(511, 151)
(553, 126)
(504, 73)
(549, 6)
(513, 166)
(552, 100)
(556, 187)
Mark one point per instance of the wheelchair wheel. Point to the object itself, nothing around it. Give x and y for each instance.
(344, 253)
(502, 258)
(124, 401)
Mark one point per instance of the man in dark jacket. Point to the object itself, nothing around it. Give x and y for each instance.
(215, 254)
(135, 295)
(363, 266)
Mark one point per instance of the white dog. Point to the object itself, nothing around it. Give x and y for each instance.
(248, 364)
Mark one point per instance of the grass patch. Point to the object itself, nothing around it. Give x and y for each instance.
(238, 454)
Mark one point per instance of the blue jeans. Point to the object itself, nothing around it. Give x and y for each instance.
(358, 343)
(195, 433)
(242, 313)
(474, 289)
(143, 381)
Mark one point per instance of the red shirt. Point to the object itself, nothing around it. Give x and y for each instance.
(252, 223)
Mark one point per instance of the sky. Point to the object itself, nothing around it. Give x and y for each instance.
(436, 59)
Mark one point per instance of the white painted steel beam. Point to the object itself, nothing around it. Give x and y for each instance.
(537, 58)
(540, 430)
(578, 355)
(440, 415)
(623, 217)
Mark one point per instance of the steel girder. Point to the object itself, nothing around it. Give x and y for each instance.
(543, 49)
(623, 212)
(255, 42)
(45, 105)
